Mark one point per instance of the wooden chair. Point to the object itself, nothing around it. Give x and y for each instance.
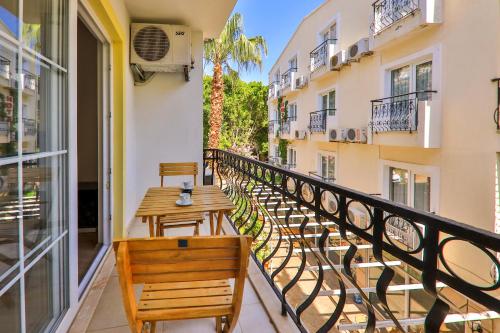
(182, 220)
(183, 278)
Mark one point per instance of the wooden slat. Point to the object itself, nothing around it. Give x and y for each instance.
(186, 285)
(187, 276)
(166, 256)
(171, 243)
(186, 266)
(184, 302)
(185, 293)
(185, 313)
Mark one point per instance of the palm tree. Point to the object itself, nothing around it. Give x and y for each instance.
(231, 48)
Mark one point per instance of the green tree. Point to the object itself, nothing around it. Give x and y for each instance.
(232, 47)
(245, 117)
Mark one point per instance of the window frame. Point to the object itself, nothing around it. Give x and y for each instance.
(319, 166)
(433, 172)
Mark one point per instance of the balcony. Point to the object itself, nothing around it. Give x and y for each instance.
(341, 260)
(274, 90)
(417, 113)
(320, 58)
(392, 19)
(288, 81)
(287, 127)
(318, 120)
(273, 127)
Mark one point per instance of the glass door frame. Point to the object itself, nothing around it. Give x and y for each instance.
(104, 144)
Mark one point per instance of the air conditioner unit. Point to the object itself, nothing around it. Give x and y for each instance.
(338, 61)
(337, 134)
(358, 217)
(300, 135)
(300, 82)
(351, 135)
(361, 135)
(160, 47)
(358, 50)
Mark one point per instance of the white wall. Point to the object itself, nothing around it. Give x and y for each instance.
(168, 123)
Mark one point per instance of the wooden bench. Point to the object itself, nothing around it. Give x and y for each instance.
(183, 278)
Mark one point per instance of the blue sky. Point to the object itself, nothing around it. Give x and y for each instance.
(275, 20)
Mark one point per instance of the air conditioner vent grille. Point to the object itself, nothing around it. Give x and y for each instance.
(151, 43)
(353, 51)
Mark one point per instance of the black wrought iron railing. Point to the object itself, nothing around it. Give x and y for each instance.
(342, 260)
(315, 174)
(318, 120)
(496, 113)
(387, 12)
(398, 113)
(319, 55)
(286, 77)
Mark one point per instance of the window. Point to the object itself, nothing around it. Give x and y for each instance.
(328, 102)
(330, 33)
(410, 188)
(326, 166)
(33, 165)
(292, 64)
(412, 78)
(292, 111)
(292, 157)
(277, 76)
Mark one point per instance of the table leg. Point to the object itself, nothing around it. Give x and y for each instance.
(211, 223)
(151, 226)
(220, 216)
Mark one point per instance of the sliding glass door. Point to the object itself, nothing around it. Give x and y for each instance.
(33, 164)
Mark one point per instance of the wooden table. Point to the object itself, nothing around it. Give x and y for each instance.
(160, 201)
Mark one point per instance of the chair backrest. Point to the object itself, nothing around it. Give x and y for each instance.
(179, 169)
(174, 259)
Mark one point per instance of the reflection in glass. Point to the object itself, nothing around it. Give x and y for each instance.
(43, 27)
(43, 209)
(44, 297)
(422, 192)
(8, 100)
(9, 17)
(9, 219)
(42, 107)
(398, 185)
(10, 310)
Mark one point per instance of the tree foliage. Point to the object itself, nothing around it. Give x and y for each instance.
(245, 119)
(232, 47)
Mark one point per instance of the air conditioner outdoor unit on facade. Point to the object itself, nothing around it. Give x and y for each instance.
(351, 135)
(337, 134)
(338, 61)
(300, 82)
(160, 47)
(361, 135)
(358, 50)
(300, 135)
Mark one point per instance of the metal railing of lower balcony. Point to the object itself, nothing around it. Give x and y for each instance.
(286, 77)
(333, 267)
(397, 113)
(388, 12)
(318, 119)
(325, 179)
(320, 54)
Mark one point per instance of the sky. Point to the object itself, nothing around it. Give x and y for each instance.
(276, 21)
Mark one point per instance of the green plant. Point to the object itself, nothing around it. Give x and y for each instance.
(282, 148)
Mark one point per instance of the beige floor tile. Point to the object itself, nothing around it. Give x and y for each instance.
(120, 329)
(253, 318)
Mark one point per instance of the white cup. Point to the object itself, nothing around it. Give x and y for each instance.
(187, 184)
(185, 197)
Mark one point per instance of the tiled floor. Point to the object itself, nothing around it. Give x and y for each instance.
(109, 316)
